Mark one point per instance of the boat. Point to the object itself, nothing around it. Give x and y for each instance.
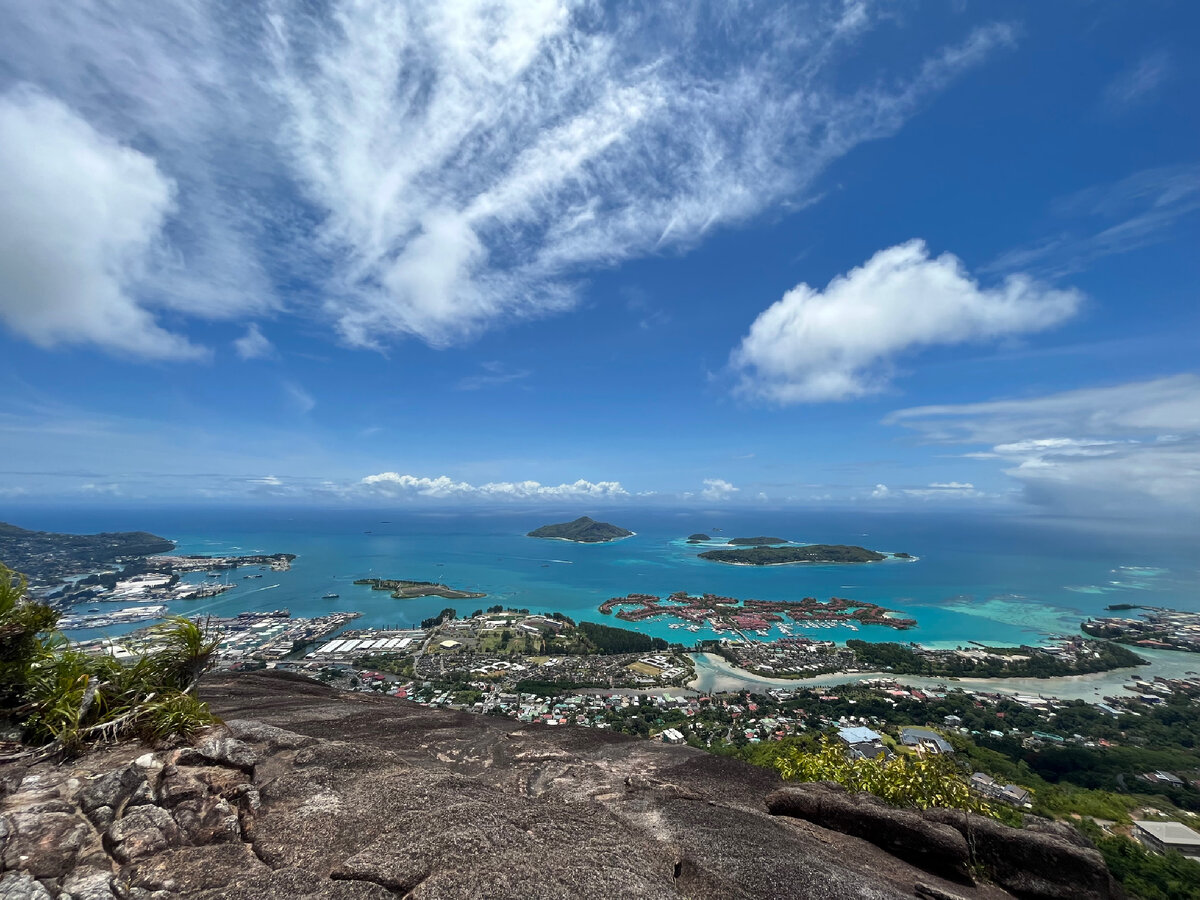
(330, 596)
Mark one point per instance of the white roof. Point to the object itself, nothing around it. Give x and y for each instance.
(1169, 832)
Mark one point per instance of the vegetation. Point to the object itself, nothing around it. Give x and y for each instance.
(64, 699)
(1143, 874)
(446, 615)
(905, 780)
(697, 538)
(408, 590)
(583, 530)
(904, 660)
(777, 556)
(606, 639)
(756, 541)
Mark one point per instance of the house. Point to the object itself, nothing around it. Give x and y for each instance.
(952, 721)
(1163, 836)
(992, 789)
(863, 743)
(925, 740)
(672, 736)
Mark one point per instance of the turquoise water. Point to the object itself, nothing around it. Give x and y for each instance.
(982, 578)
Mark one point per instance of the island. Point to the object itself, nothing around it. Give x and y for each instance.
(48, 557)
(756, 541)
(902, 555)
(739, 616)
(779, 556)
(408, 590)
(698, 538)
(583, 530)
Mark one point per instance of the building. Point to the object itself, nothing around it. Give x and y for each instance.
(863, 743)
(1163, 836)
(952, 721)
(993, 790)
(672, 736)
(925, 740)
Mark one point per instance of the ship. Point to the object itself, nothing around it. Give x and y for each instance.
(330, 596)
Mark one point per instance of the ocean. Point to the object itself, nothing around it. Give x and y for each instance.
(982, 577)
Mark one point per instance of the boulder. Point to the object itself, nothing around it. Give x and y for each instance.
(45, 843)
(1037, 864)
(904, 833)
(147, 830)
(206, 820)
(22, 886)
(88, 883)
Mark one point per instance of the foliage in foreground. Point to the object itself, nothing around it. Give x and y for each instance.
(905, 780)
(65, 698)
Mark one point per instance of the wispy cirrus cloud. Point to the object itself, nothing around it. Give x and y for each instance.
(1131, 449)
(1109, 219)
(1136, 83)
(493, 374)
(431, 170)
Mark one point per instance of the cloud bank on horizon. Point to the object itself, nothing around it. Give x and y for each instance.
(429, 170)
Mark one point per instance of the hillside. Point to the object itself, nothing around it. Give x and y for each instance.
(48, 556)
(313, 793)
(583, 530)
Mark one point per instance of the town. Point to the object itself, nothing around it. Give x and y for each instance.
(1163, 629)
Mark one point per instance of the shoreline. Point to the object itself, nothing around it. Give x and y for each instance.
(573, 541)
(714, 674)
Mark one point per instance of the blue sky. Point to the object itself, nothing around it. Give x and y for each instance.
(799, 255)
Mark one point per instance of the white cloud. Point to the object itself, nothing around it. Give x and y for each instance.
(432, 169)
(253, 344)
(81, 218)
(1109, 219)
(298, 398)
(1131, 449)
(493, 374)
(443, 487)
(470, 166)
(1137, 82)
(839, 343)
(718, 489)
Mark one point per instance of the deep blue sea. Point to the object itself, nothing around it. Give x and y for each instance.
(985, 578)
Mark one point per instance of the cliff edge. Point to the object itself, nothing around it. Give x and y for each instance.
(306, 792)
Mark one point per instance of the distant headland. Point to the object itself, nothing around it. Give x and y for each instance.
(779, 556)
(583, 530)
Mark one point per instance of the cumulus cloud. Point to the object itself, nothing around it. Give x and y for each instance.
(253, 344)
(838, 343)
(717, 489)
(395, 484)
(81, 219)
(1130, 449)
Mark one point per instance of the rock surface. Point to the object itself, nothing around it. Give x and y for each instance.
(309, 793)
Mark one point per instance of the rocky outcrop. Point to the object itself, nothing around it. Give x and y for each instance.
(307, 793)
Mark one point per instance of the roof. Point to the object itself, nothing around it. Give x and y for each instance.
(858, 735)
(913, 735)
(1169, 832)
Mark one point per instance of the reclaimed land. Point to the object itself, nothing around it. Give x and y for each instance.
(730, 614)
(780, 556)
(409, 590)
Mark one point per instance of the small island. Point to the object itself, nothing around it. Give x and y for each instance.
(756, 541)
(698, 538)
(583, 530)
(780, 556)
(410, 590)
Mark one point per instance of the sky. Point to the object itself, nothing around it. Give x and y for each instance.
(891, 256)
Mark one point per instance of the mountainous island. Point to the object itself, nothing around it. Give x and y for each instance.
(779, 556)
(49, 557)
(583, 530)
(409, 590)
